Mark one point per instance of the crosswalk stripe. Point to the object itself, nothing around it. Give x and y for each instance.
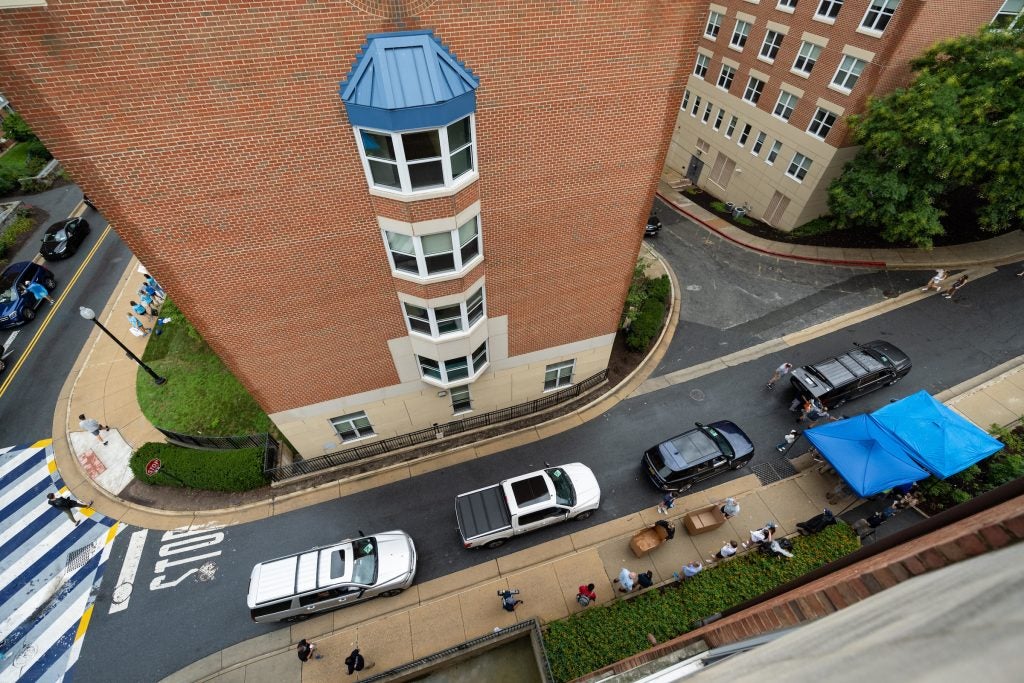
(18, 464)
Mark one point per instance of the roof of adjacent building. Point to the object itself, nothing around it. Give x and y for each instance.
(406, 80)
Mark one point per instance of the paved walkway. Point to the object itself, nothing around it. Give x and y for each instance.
(440, 613)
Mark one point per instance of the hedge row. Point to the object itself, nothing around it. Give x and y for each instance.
(229, 470)
(13, 232)
(649, 318)
(602, 635)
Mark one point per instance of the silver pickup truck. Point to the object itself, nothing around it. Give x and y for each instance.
(490, 516)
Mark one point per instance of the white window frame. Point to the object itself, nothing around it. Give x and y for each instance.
(714, 25)
(787, 6)
(696, 106)
(475, 363)
(731, 128)
(717, 125)
(740, 33)
(726, 73)
(818, 122)
(466, 320)
(828, 10)
(559, 380)
(878, 12)
(785, 105)
(849, 67)
(464, 399)
(686, 100)
(401, 165)
(809, 53)
(350, 420)
(420, 256)
(773, 47)
(708, 107)
(755, 149)
(1006, 18)
(801, 168)
(773, 153)
(752, 93)
(744, 135)
(700, 69)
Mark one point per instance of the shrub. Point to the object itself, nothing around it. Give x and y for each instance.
(15, 128)
(996, 470)
(600, 636)
(812, 228)
(646, 325)
(235, 470)
(720, 207)
(8, 180)
(19, 226)
(660, 289)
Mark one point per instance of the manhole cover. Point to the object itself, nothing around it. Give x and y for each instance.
(696, 394)
(76, 559)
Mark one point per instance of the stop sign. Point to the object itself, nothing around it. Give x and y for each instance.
(152, 467)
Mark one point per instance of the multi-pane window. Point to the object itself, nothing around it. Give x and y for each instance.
(696, 106)
(725, 77)
(829, 9)
(558, 375)
(773, 152)
(443, 320)
(420, 160)
(353, 426)
(758, 143)
(798, 167)
(707, 112)
(807, 57)
(878, 15)
(848, 72)
(744, 135)
(1009, 14)
(461, 402)
(444, 252)
(740, 33)
(718, 119)
(787, 4)
(686, 100)
(714, 24)
(754, 89)
(701, 68)
(772, 43)
(786, 104)
(453, 369)
(731, 127)
(822, 123)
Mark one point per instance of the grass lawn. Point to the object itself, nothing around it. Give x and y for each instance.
(15, 158)
(200, 396)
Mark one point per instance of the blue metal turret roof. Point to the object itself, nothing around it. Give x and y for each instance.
(407, 80)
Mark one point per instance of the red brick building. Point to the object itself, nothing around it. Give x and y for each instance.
(763, 119)
(379, 214)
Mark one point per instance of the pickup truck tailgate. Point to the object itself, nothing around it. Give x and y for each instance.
(482, 512)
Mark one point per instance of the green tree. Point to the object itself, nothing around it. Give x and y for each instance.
(16, 129)
(959, 125)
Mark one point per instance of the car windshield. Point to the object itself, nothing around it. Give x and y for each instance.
(7, 292)
(364, 561)
(564, 492)
(59, 236)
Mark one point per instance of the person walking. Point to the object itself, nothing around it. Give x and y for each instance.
(787, 441)
(730, 508)
(668, 502)
(136, 324)
(955, 287)
(728, 550)
(93, 427)
(68, 505)
(509, 600)
(779, 373)
(936, 281)
(586, 595)
(356, 662)
(626, 580)
(38, 291)
(307, 651)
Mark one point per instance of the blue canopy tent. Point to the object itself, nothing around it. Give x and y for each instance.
(942, 441)
(865, 455)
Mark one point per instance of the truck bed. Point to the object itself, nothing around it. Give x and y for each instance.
(482, 512)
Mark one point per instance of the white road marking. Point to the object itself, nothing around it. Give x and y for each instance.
(130, 567)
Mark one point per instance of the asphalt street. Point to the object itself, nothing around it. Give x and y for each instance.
(189, 600)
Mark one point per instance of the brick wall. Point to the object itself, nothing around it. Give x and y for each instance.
(212, 136)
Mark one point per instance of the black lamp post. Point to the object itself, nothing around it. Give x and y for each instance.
(90, 314)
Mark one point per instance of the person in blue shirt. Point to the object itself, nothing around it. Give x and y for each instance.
(38, 291)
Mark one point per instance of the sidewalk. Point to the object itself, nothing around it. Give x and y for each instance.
(440, 613)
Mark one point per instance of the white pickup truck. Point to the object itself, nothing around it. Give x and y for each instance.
(490, 516)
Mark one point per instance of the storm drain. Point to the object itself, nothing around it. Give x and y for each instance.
(776, 470)
(76, 559)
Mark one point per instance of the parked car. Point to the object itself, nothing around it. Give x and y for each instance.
(653, 226)
(490, 516)
(863, 369)
(298, 586)
(62, 239)
(17, 306)
(698, 454)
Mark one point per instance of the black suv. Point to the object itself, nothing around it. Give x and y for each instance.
(696, 455)
(836, 380)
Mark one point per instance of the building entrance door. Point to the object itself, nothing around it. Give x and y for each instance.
(694, 169)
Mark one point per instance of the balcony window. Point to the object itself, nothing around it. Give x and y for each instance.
(444, 320)
(453, 369)
(437, 254)
(410, 162)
